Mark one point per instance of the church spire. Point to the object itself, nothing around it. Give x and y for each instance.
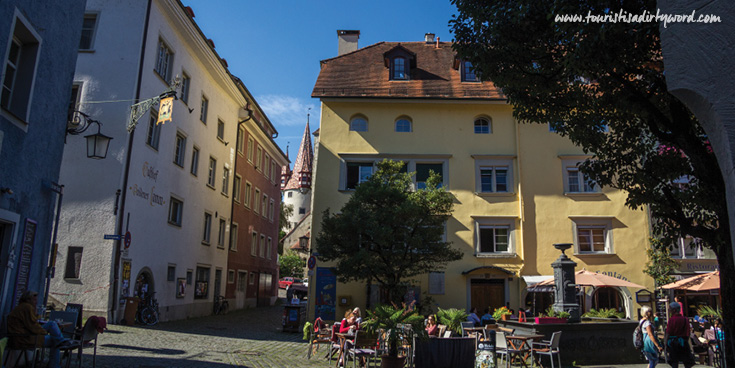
(301, 174)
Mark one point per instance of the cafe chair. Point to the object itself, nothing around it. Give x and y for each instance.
(16, 351)
(466, 325)
(549, 348)
(87, 339)
(319, 335)
(334, 340)
(363, 347)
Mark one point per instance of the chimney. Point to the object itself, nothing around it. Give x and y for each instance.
(429, 38)
(347, 41)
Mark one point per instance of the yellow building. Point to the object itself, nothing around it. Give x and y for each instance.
(517, 187)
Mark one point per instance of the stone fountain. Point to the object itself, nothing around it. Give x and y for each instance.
(565, 294)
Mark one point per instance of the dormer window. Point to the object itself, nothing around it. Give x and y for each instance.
(399, 69)
(468, 72)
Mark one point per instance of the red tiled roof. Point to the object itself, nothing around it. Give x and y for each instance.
(302, 167)
(363, 73)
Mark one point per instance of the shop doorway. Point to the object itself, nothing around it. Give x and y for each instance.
(487, 293)
(144, 283)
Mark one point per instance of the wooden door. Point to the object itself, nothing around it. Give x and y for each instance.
(487, 293)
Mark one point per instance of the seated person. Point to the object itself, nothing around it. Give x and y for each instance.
(23, 320)
(349, 323)
(487, 318)
(431, 327)
(472, 317)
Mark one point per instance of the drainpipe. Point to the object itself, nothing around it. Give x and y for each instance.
(120, 218)
(59, 189)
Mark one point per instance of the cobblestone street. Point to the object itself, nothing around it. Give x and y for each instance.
(244, 338)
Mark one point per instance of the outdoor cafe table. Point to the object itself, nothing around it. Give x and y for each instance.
(522, 343)
(449, 352)
(343, 337)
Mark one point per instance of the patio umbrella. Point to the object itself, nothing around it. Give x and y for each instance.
(587, 278)
(705, 281)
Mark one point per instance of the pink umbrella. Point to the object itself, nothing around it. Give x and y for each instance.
(705, 281)
(587, 278)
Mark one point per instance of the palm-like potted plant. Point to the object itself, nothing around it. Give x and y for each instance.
(390, 319)
(452, 318)
(501, 313)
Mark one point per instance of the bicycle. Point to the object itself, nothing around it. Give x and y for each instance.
(147, 313)
(220, 304)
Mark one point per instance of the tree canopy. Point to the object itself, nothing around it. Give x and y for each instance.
(387, 232)
(603, 86)
(291, 265)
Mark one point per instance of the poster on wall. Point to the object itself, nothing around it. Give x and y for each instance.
(125, 290)
(326, 293)
(24, 264)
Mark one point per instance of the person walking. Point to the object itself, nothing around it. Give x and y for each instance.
(651, 346)
(677, 338)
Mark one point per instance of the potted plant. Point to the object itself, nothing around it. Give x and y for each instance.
(452, 318)
(388, 318)
(501, 313)
(604, 313)
(552, 316)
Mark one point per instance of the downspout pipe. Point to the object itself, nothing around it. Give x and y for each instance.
(126, 174)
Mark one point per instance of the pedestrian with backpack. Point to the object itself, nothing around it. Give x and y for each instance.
(651, 346)
(677, 338)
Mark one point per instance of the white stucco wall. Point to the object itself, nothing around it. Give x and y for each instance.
(297, 200)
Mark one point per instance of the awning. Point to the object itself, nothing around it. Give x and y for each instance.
(501, 269)
(532, 281)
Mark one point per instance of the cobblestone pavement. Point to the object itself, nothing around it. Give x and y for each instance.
(244, 338)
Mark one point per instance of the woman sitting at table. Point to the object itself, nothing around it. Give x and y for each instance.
(349, 323)
(472, 317)
(431, 327)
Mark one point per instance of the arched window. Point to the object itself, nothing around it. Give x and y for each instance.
(483, 126)
(404, 125)
(606, 298)
(359, 124)
(399, 68)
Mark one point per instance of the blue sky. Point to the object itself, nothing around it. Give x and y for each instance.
(275, 46)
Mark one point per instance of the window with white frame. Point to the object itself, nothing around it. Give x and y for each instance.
(256, 205)
(274, 172)
(266, 165)
(423, 171)
(225, 180)
(494, 237)
(264, 204)
(240, 140)
(483, 126)
(221, 233)
(165, 61)
(175, 211)
(19, 72)
(251, 144)
(574, 180)
(359, 124)
(259, 159)
(690, 248)
(89, 24)
(248, 194)
(254, 243)
(154, 131)
(211, 178)
(203, 109)
(271, 210)
(399, 70)
(185, 86)
(236, 188)
(230, 276)
(180, 150)
(242, 279)
(261, 250)
(358, 168)
(468, 72)
(195, 161)
(493, 174)
(268, 247)
(220, 130)
(207, 228)
(592, 235)
(233, 236)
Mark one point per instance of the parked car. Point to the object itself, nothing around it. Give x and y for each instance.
(285, 282)
(306, 282)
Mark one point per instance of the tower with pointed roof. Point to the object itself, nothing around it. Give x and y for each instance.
(296, 183)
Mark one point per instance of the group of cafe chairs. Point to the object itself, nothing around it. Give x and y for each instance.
(80, 337)
(507, 353)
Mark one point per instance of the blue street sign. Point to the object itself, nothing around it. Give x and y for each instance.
(112, 237)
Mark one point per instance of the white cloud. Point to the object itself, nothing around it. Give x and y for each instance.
(287, 111)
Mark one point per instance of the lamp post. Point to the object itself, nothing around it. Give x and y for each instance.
(98, 143)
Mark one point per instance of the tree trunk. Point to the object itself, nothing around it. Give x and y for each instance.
(727, 290)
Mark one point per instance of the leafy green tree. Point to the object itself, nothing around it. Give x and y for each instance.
(602, 85)
(291, 265)
(283, 215)
(388, 232)
(660, 265)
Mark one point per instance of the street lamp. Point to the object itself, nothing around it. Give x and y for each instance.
(98, 143)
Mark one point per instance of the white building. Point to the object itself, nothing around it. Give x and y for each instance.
(167, 185)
